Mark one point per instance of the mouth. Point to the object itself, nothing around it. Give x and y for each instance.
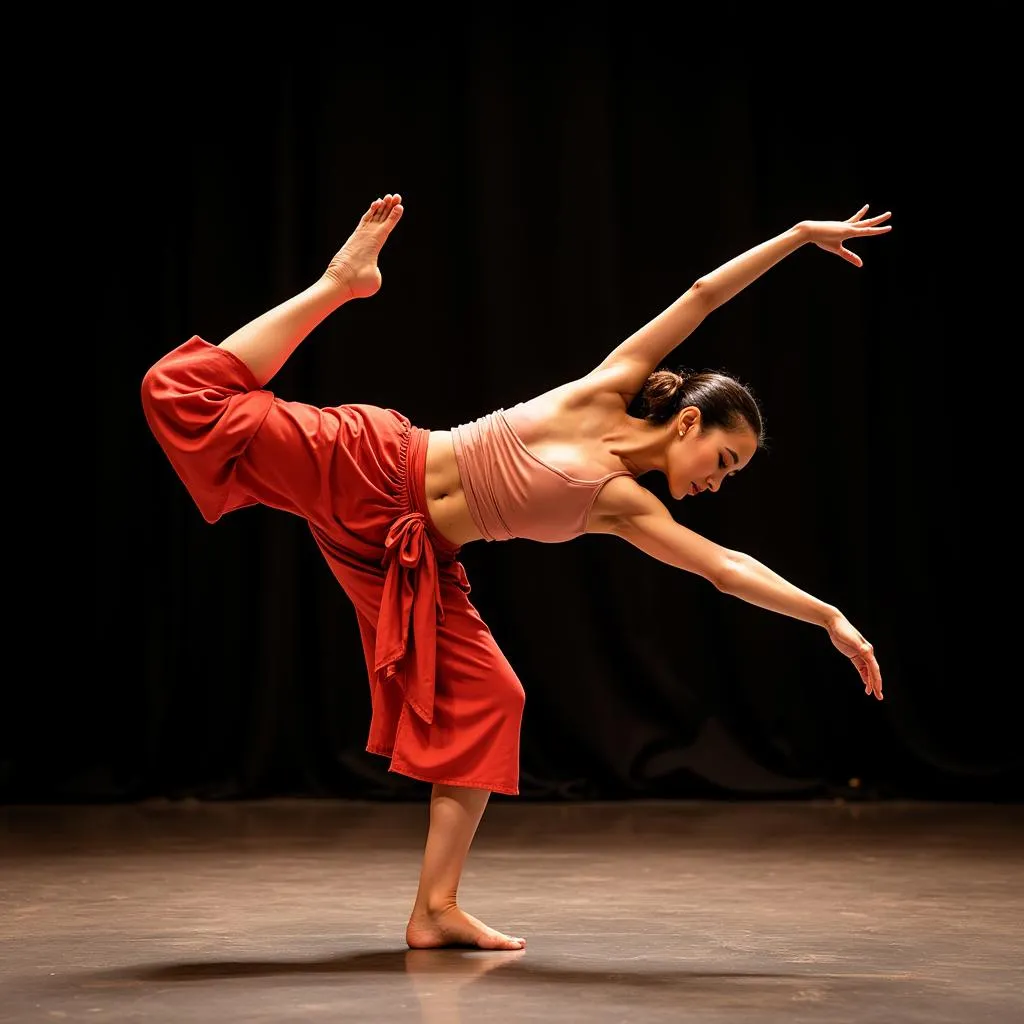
(694, 489)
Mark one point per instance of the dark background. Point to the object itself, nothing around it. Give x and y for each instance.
(565, 178)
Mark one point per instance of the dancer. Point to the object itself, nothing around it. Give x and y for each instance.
(390, 504)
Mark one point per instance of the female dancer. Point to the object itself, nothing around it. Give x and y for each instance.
(390, 504)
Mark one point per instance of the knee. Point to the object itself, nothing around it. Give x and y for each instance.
(510, 695)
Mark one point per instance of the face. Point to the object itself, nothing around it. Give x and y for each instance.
(700, 460)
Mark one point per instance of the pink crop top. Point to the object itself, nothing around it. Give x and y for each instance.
(511, 492)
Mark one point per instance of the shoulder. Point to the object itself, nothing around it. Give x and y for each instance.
(604, 385)
(600, 388)
(620, 500)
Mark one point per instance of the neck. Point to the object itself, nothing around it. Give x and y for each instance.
(641, 445)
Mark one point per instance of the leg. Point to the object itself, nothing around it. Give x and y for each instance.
(437, 920)
(264, 344)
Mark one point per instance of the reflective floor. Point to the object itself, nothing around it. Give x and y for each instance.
(296, 910)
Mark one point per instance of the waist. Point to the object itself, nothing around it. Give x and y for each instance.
(445, 498)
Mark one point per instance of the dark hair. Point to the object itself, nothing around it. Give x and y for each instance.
(722, 400)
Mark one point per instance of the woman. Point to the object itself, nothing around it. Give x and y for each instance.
(391, 504)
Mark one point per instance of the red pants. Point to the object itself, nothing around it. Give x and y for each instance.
(447, 706)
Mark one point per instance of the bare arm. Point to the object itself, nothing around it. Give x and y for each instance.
(647, 524)
(631, 362)
(650, 527)
(628, 366)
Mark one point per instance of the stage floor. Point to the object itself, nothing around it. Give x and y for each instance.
(648, 912)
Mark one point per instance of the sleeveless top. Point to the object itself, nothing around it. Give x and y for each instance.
(511, 492)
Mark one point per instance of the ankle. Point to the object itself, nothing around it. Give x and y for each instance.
(436, 904)
(337, 285)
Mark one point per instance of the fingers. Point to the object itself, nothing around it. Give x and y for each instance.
(871, 226)
(875, 220)
(872, 677)
(876, 676)
(850, 257)
(872, 682)
(860, 213)
(870, 674)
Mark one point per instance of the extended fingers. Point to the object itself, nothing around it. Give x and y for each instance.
(875, 220)
(850, 257)
(872, 682)
(872, 677)
(862, 226)
(870, 674)
(873, 225)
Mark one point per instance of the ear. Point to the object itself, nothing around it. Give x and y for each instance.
(688, 419)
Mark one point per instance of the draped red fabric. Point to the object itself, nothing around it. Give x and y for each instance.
(355, 474)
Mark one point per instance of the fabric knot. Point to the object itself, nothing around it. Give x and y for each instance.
(405, 540)
(406, 647)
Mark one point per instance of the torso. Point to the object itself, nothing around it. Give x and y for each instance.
(446, 501)
(578, 419)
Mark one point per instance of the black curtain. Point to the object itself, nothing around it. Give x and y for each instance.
(565, 178)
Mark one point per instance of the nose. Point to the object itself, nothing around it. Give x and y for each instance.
(713, 484)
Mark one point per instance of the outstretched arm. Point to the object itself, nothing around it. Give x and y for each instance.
(628, 366)
(264, 344)
(648, 525)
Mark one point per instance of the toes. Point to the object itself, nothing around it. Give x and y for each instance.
(382, 210)
(500, 942)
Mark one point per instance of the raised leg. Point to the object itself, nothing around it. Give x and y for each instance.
(264, 344)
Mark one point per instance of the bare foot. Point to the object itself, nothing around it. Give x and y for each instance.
(454, 927)
(457, 966)
(354, 267)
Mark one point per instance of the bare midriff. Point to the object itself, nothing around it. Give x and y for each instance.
(446, 500)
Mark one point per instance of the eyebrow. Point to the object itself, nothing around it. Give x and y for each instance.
(735, 457)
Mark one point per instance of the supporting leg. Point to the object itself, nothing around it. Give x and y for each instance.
(437, 920)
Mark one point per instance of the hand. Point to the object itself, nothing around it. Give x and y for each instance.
(830, 234)
(846, 639)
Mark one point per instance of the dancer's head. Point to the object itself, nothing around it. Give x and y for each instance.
(713, 425)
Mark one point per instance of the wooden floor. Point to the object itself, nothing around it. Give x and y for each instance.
(295, 911)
